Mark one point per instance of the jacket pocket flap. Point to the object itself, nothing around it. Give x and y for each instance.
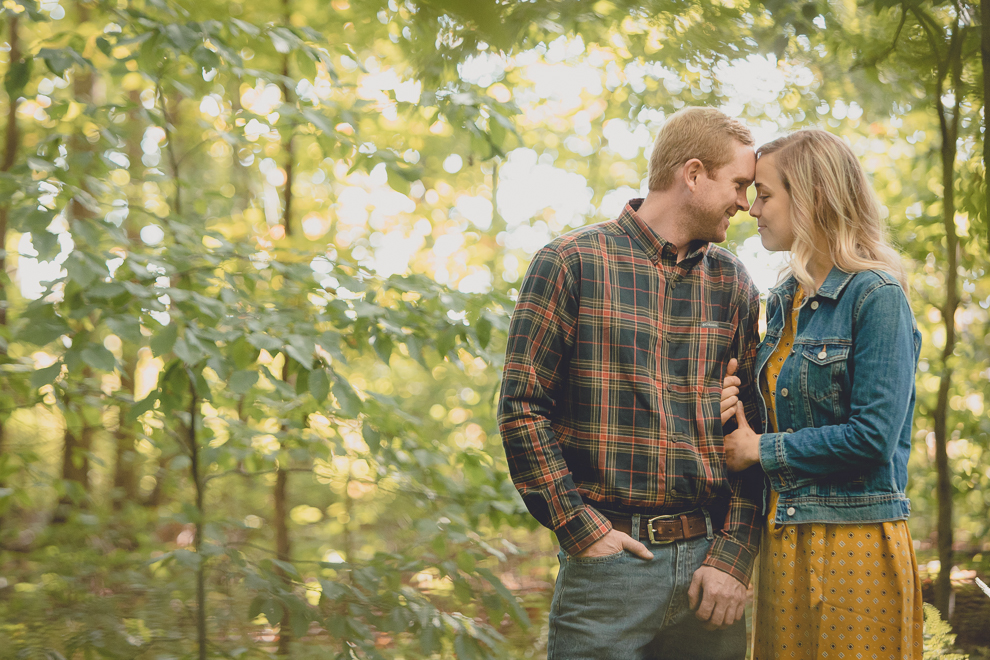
(826, 353)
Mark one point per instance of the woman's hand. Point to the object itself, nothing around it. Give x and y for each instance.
(742, 446)
(730, 391)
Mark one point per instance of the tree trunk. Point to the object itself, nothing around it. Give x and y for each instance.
(126, 461)
(9, 156)
(949, 128)
(76, 445)
(283, 545)
(288, 144)
(197, 478)
(283, 550)
(985, 50)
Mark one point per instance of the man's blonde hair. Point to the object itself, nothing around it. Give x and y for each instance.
(703, 133)
(833, 207)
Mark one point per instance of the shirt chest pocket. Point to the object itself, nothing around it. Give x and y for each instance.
(825, 373)
(697, 355)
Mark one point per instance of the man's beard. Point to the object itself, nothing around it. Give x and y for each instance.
(708, 223)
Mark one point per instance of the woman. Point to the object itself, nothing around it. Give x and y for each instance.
(838, 576)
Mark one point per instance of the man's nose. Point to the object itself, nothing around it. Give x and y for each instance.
(743, 201)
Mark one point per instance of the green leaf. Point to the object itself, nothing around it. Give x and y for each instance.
(163, 340)
(243, 353)
(483, 330)
(254, 609)
(98, 357)
(515, 609)
(46, 375)
(245, 27)
(319, 385)
(301, 349)
(59, 60)
(348, 400)
(396, 181)
(46, 243)
(299, 623)
(182, 37)
(445, 342)
(127, 328)
(241, 382)
(206, 58)
(188, 349)
(372, 437)
(40, 165)
(17, 77)
(264, 342)
(307, 67)
(465, 562)
(273, 611)
(42, 325)
(287, 567)
(142, 406)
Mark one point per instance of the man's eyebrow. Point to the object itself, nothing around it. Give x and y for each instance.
(743, 179)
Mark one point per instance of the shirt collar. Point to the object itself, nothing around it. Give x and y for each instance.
(652, 243)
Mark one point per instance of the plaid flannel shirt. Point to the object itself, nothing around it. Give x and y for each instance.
(613, 376)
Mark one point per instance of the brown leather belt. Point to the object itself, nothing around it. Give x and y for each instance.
(659, 530)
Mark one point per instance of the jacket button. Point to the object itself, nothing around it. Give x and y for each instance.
(814, 304)
(789, 431)
(783, 392)
(790, 511)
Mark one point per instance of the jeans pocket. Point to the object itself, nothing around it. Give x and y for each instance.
(604, 559)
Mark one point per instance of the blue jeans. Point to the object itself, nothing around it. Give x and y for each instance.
(621, 607)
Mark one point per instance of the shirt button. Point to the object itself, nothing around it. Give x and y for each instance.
(790, 511)
(783, 392)
(814, 304)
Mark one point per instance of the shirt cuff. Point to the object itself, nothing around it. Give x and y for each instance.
(582, 530)
(731, 557)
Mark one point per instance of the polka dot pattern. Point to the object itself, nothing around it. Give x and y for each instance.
(829, 590)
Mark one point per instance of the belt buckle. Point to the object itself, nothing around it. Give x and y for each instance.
(649, 528)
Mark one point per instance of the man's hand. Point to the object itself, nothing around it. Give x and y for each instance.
(730, 390)
(614, 542)
(742, 446)
(716, 597)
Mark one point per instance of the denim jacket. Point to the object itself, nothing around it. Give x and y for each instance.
(845, 401)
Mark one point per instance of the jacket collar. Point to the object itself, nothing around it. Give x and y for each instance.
(834, 284)
(831, 288)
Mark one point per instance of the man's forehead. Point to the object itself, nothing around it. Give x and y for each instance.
(744, 163)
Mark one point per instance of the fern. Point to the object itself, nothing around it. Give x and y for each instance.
(939, 637)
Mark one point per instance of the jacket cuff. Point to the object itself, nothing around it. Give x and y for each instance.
(731, 557)
(582, 530)
(773, 462)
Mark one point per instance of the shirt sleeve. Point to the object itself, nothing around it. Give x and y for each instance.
(542, 334)
(736, 545)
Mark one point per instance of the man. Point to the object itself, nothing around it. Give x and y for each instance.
(609, 413)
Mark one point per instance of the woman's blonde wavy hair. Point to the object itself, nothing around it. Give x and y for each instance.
(833, 207)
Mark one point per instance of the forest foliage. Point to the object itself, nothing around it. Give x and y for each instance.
(258, 261)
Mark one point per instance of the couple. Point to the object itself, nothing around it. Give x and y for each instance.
(635, 381)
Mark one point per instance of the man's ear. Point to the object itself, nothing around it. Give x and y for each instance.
(692, 172)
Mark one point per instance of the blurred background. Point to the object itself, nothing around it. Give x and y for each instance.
(258, 260)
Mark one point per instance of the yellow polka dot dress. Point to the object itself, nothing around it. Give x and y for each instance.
(833, 590)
